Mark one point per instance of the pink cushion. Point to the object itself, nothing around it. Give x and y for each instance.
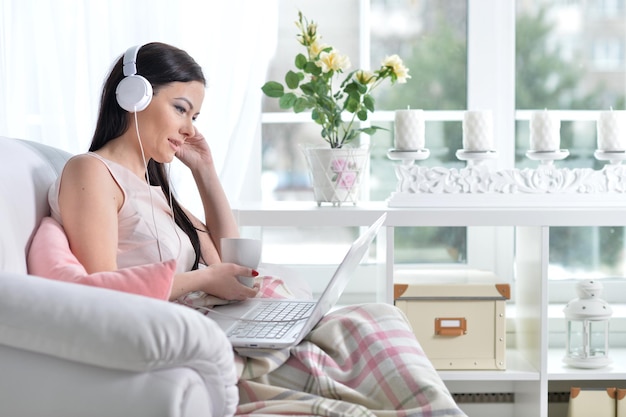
(50, 257)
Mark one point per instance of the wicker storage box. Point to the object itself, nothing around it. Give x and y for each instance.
(460, 326)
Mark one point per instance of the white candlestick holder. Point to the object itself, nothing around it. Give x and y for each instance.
(612, 157)
(408, 157)
(475, 157)
(547, 157)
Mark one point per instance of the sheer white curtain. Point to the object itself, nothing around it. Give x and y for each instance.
(55, 54)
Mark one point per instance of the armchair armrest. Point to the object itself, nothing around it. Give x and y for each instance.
(116, 330)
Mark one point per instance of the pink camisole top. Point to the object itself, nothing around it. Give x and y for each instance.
(147, 232)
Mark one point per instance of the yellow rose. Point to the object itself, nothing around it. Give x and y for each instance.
(397, 66)
(364, 77)
(333, 61)
(316, 48)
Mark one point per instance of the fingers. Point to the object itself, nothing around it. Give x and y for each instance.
(246, 292)
(250, 272)
(251, 292)
(244, 271)
(237, 290)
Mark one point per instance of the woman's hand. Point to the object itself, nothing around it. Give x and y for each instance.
(195, 152)
(221, 281)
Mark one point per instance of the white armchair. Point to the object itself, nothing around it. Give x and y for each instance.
(73, 350)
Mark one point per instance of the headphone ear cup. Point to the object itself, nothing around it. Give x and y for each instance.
(134, 93)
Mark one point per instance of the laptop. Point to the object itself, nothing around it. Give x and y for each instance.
(248, 324)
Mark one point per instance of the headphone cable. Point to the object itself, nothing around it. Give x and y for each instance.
(145, 164)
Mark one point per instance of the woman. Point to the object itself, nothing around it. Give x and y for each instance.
(113, 218)
(360, 360)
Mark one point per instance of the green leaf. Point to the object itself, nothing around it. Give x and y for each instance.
(292, 80)
(348, 79)
(273, 89)
(308, 88)
(300, 61)
(300, 105)
(362, 115)
(287, 101)
(311, 68)
(352, 87)
(352, 105)
(354, 95)
(368, 102)
(321, 89)
(371, 130)
(351, 136)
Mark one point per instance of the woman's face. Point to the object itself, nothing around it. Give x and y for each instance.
(168, 120)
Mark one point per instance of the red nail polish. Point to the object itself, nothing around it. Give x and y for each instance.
(255, 273)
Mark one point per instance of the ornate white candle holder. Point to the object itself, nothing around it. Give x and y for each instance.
(418, 185)
(480, 185)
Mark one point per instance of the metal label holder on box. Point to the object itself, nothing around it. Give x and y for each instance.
(460, 326)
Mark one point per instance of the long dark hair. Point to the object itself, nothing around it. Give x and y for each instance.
(160, 64)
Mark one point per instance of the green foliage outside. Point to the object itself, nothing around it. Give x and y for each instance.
(543, 79)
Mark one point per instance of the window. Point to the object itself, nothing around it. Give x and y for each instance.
(578, 67)
(510, 57)
(430, 36)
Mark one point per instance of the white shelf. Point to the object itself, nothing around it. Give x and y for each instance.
(558, 371)
(532, 365)
(594, 213)
(518, 369)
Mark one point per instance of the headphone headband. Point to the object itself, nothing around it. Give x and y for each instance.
(134, 92)
(130, 60)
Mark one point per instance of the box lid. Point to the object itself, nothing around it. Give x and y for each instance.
(409, 291)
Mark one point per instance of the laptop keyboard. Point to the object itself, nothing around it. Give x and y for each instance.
(282, 315)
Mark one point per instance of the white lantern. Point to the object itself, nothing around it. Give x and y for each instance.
(587, 343)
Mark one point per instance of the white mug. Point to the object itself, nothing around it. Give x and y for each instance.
(242, 251)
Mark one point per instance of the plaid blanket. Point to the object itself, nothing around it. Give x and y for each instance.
(360, 360)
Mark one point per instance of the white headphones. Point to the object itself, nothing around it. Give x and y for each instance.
(134, 92)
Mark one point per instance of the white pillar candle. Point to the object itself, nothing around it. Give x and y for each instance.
(611, 127)
(409, 130)
(545, 131)
(477, 131)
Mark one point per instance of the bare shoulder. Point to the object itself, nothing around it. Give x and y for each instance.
(84, 163)
(85, 167)
(87, 173)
